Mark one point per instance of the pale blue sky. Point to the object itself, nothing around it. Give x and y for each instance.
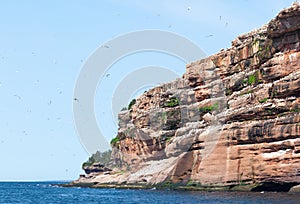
(43, 46)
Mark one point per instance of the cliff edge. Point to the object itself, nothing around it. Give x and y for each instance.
(231, 122)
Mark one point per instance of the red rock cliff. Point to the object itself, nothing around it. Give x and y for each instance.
(232, 119)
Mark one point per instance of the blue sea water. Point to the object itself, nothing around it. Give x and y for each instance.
(45, 192)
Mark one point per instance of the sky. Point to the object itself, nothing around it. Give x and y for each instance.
(44, 45)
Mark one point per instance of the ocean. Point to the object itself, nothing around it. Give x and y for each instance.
(45, 192)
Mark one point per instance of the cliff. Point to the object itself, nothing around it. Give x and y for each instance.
(231, 122)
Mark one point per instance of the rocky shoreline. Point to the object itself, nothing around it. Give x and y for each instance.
(191, 187)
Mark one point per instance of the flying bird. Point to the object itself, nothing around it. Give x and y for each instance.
(19, 97)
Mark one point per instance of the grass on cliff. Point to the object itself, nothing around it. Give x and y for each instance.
(263, 100)
(210, 108)
(172, 102)
(252, 79)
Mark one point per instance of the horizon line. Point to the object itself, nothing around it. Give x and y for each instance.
(31, 181)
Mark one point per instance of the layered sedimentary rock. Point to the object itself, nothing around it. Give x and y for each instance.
(232, 119)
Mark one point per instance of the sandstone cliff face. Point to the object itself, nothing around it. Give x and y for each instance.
(233, 118)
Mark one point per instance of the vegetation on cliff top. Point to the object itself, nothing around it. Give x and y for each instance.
(98, 157)
(132, 102)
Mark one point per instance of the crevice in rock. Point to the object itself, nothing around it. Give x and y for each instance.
(274, 186)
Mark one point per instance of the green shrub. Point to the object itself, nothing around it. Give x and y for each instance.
(114, 141)
(211, 108)
(172, 102)
(132, 102)
(252, 79)
(263, 100)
